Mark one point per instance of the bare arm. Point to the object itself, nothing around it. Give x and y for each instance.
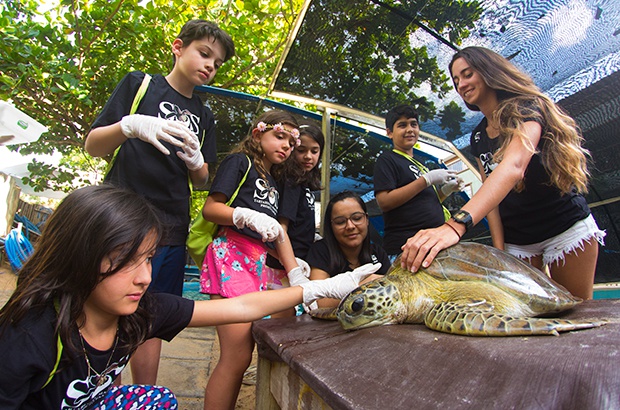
(286, 255)
(216, 210)
(245, 308)
(102, 141)
(388, 200)
(493, 217)
(200, 177)
(424, 246)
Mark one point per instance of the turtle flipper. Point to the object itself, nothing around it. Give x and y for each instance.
(324, 313)
(479, 320)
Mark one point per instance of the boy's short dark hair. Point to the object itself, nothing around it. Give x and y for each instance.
(198, 29)
(397, 112)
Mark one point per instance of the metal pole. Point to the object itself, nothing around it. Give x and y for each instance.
(326, 161)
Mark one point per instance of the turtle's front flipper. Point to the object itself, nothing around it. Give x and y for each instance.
(478, 319)
(324, 313)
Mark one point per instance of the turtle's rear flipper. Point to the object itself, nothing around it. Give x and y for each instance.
(480, 321)
(324, 313)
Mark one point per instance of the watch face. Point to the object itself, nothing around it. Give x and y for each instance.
(459, 215)
(463, 217)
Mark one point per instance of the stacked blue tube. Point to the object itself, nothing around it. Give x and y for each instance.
(17, 247)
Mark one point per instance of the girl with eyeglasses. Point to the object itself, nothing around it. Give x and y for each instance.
(346, 243)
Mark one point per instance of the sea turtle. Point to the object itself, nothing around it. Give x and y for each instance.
(469, 289)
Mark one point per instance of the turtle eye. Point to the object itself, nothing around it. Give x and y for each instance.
(358, 304)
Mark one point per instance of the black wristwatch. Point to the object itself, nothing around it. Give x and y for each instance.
(463, 217)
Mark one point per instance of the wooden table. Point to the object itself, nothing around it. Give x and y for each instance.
(307, 363)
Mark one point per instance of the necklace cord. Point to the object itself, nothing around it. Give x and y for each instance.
(100, 376)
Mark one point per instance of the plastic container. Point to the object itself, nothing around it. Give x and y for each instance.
(20, 126)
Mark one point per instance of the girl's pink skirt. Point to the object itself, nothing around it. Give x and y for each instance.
(235, 265)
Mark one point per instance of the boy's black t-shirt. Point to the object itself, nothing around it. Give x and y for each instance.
(28, 354)
(139, 166)
(423, 211)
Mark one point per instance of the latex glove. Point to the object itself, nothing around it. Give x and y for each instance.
(339, 286)
(300, 274)
(269, 228)
(453, 185)
(191, 154)
(439, 176)
(152, 129)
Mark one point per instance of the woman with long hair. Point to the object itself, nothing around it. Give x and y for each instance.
(534, 176)
(346, 244)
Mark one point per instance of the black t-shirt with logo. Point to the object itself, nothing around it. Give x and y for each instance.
(28, 355)
(540, 211)
(256, 193)
(139, 166)
(423, 211)
(318, 257)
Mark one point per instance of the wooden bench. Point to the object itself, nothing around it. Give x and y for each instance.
(306, 363)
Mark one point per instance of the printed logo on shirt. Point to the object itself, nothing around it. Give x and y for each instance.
(477, 137)
(266, 196)
(415, 171)
(310, 198)
(487, 162)
(170, 111)
(82, 394)
(374, 259)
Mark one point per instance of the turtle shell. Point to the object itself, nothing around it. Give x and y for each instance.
(473, 262)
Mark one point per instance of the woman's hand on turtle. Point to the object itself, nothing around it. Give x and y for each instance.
(421, 249)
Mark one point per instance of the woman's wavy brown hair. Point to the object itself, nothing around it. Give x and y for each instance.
(563, 156)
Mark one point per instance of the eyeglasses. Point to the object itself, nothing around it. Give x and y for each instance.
(357, 218)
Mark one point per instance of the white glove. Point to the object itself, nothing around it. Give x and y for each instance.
(191, 154)
(152, 129)
(339, 286)
(439, 176)
(269, 228)
(300, 274)
(453, 185)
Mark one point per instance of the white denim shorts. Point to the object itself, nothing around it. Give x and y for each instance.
(554, 249)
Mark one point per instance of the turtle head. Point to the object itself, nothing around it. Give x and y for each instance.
(372, 304)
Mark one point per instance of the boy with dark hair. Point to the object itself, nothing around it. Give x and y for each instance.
(406, 191)
(169, 140)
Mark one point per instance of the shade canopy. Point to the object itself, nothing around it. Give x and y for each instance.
(368, 56)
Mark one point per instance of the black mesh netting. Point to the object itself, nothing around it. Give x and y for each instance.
(371, 55)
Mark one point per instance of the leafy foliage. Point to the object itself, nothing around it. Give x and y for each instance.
(60, 64)
(361, 54)
(451, 117)
(368, 55)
